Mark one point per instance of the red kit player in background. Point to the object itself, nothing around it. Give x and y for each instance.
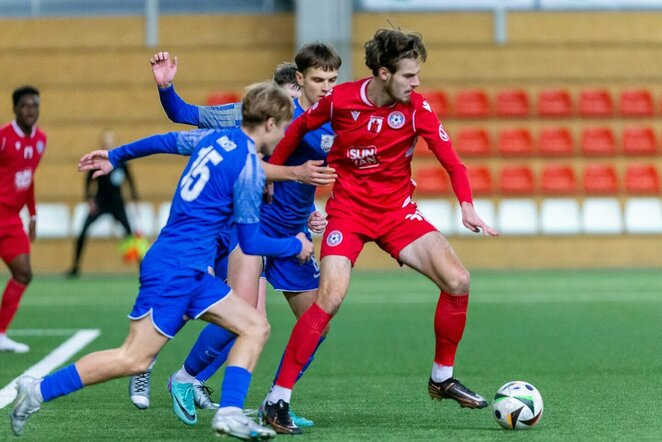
(377, 121)
(22, 145)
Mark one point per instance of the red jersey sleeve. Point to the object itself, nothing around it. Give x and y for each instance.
(428, 126)
(30, 201)
(318, 114)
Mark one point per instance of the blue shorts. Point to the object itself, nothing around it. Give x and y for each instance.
(289, 275)
(174, 295)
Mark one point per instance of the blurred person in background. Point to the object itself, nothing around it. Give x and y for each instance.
(22, 145)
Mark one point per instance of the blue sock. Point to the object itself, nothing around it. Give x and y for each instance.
(305, 367)
(212, 340)
(64, 381)
(235, 387)
(215, 364)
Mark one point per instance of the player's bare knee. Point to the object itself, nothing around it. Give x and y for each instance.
(459, 283)
(259, 329)
(23, 276)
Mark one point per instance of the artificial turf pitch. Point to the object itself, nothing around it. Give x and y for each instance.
(591, 341)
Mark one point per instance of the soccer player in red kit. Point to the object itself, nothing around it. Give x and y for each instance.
(377, 121)
(22, 145)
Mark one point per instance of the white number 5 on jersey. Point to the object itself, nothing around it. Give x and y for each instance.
(195, 180)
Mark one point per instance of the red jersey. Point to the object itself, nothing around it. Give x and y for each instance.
(373, 146)
(19, 157)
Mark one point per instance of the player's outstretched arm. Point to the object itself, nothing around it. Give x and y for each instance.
(473, 222)
(97, 162)
(164, 69)
(311, 172)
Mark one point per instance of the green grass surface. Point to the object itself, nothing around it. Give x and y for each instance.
(591, 341)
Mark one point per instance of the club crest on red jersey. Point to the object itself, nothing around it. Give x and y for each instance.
(326, 142)
(334, 238)
(363, 157)
(396, 120)
(442, 133)
(375, 124)
(40, 147)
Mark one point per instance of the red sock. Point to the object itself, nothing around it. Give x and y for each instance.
(449, 320)
(10, 299)
(303, 341)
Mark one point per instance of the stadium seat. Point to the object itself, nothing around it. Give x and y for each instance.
(104, 227)
(515, 142)
(558, 179)
(598, 141)
(439, 213)
(422, 149)
(643, 215)
(141, 217)
(642, 179)
(516, 180)
(554, 103)
(54, 220)
(518, 217)
(473, 142)
(222, 97)
(595, 103)
(471, 103)
(560, 216)
(431, 180)
(556, 141)
(639, 141)
(437, 101)
(162, 217)
(600, 179)
(512, 103)
(480, 178)
(602, 216)
(484, 208)
(636, 103)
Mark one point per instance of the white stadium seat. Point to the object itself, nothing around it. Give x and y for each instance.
(518, 217)
(141, 217)
(439, 213)
(162, 217)
(602, 216)
(53, 220)
(560, 216)
(643, 215)
(104, 227)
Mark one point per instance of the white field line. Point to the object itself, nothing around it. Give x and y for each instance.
(53, 360)
(43, 331)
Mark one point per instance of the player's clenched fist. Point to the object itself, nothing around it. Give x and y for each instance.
(306, 248)
(317, 222)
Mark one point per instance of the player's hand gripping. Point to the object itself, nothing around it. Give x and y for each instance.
(472, 221)
(313, 172)
(306, 248)
(97, 161)
(164, 69)
(317, 222)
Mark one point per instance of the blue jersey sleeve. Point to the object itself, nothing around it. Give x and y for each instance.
(224, 116)
(180, 143)
(247, 192)
(177, 109)
(254, 242)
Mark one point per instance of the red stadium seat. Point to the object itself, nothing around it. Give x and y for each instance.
(556, 141)
(636, 103)
(598, 141)
(595, 103)
(642, 179)
(480, 178)
(515, 142)
(513, 103)
(437, 101)
(554, 103)
(432, 180)
(422, 149)
(473, 142)
(639, 141)
(471, 103)
(222, 97)
(558, 179)
(600, 179)
(517, 180)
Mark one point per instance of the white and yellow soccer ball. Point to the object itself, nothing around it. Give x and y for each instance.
(517, 406)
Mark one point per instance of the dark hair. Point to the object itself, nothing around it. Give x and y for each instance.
(389, 46)
(285, 73)
(263, 101)
(317, 55)
(23, 90)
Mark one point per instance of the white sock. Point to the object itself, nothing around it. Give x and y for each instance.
(197, 382)
(183, 377)
(277, 393)
(37, 391)
(441, 372)
(229, 410)
(151, 365)
(3, 336)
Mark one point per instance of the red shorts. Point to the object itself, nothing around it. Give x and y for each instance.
(393, 230)
(13, 239)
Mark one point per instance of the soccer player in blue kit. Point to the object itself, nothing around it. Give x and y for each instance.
(291, 209)
(222, 184)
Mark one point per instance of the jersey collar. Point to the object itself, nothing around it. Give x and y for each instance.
(19, 132)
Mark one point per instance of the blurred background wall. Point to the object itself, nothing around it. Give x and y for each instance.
(555, 110)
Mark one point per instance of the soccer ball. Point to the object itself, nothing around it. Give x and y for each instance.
(517, 406)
